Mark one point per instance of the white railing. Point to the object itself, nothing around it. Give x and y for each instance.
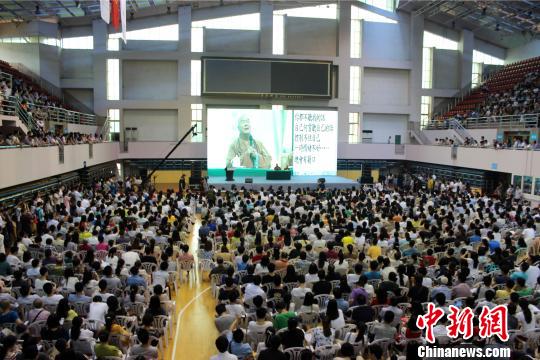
(51, 113)
(414, 129)
(459, 129)
(505, 121)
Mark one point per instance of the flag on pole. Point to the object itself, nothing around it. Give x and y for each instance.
(115, 14)
(105, 8)
(123, 17)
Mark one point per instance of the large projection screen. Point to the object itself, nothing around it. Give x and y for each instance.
(255, 140)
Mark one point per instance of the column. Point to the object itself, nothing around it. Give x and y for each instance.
(466, 47)
(266, 33)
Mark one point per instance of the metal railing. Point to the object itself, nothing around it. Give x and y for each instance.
(506, 121)
(8, 78)
(459, 129)
(415, 131)
(50, 113)
(52, 89)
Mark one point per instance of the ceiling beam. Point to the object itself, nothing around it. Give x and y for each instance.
(64, 6)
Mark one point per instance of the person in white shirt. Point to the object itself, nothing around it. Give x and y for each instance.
(98, 309)
(130, 257)
(222, 345)
(254, 289)
(50, 297)
(161, 276)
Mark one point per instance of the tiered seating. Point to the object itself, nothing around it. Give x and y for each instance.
(31, 84)
(505, 79)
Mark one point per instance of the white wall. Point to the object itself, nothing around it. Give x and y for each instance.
(42, 162)
(385, 87)
(49, 64)
(385, 125)
(224, 40)
(149, 80)
(386, 41)
(26, 54)
(77, 64)
(490, 49)
(86, 96)
(445, 69)
(153, 125)
(306, 36)
(529, 50)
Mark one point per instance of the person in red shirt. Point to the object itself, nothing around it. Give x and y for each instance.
(429, 259)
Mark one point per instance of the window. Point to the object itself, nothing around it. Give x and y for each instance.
(427, 68)
(237, 22)
(113, 79)
(196, 119)
(195, 77)
(479, 60)
(278, 37)
(164, 33)
(319, 11)
(356, 38)
(354, 128)
(480, 57)
(476, 74)
(388, 5)
(354, 91)
(113, 44)
(425, 111)
(363, 14)
(114, 121)
(49, 41)
(197, 39)
(440, 42)
(81, 42)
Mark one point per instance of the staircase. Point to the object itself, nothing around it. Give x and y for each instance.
(459, 130)
(26, 119)
(417, 134)
(499, 81)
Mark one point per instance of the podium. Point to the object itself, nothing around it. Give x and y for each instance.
(229, 172)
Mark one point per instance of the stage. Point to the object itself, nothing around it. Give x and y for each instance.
(296, 182)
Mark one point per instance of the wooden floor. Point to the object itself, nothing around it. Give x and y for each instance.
(194, 334)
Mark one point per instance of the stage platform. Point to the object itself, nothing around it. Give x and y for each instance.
(332, 182)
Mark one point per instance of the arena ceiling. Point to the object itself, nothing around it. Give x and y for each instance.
(505, 23)
(501, 22)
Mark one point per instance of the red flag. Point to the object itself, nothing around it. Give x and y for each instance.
(115, 14)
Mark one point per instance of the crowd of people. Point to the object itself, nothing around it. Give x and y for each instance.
(39, 138)
(523, 98)
(83, 276)
(517, 143)
(327, 273)
(27, 92)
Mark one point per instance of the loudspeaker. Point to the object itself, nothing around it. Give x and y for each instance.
(249, 180)
(194, 180)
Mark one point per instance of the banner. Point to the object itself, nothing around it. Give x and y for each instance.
(115, 14)
(123, 18)
(105, 8)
